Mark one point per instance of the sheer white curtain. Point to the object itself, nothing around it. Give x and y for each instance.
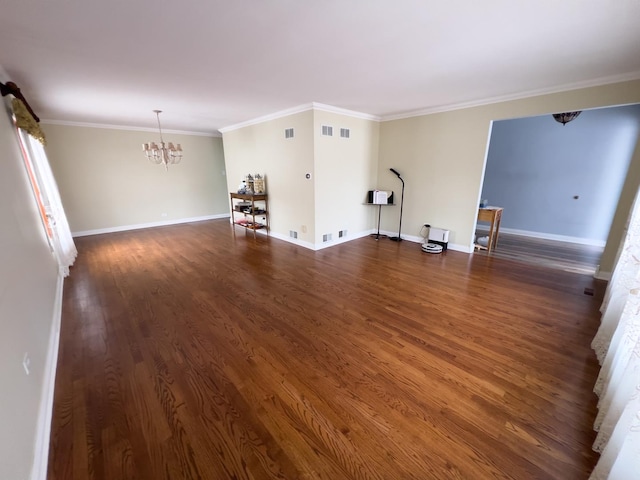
(617, 347)
(62, 241)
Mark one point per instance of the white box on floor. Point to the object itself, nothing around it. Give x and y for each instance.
(439, 236)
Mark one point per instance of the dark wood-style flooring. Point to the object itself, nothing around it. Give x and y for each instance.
(187, 353)
(571, 257)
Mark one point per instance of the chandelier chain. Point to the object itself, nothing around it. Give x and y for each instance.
(158, 112)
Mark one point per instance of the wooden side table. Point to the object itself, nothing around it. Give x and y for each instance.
(493, 215)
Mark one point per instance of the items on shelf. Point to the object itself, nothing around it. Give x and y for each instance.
(380, 197)
(243, 222)
(250, 211)
(252, 184)
(258, 183)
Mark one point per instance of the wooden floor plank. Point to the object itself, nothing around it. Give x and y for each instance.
(567, 256)
(188, 352)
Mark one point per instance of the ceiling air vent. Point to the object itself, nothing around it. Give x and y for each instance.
(288, 133)
(327, 130)
(344, 132)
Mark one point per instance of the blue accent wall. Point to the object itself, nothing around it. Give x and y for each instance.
(535, 167)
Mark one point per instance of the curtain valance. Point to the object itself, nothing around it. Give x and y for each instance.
(26, 119)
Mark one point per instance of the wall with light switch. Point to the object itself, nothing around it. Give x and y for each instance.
(264, 147)
(317, 175)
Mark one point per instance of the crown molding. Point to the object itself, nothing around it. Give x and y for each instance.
(299, 109)
(365, 116)
(517, 96)
(343, 111)
(267, 118)
(126, 127)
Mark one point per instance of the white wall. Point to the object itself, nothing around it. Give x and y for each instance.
(106, 182)
(437, 157)
(28, 310)
(262, 148)
(345, 170)
(341, 172)
(443, 155)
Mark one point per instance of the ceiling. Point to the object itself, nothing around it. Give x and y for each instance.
(209, 64)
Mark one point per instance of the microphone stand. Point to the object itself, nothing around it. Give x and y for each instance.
(399, 238)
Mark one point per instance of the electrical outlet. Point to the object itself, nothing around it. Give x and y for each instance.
(304, 229)
(163, 214)
(26, 363)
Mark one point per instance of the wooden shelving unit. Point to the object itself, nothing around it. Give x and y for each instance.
(245, 208)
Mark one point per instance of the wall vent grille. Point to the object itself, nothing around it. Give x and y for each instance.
(293, 234)
(327, 237)
(342, 233)
(288, 133)
(327, 130)
(345, 133)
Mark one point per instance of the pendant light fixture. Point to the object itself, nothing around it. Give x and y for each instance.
(566, 117)
(162, 154)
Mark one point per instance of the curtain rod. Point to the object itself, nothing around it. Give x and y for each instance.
(11, 88)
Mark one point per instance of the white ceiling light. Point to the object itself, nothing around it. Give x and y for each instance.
(163, 154)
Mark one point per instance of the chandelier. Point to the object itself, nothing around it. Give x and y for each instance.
(566, 117)
(163, 154)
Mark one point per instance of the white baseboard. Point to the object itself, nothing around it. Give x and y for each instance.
(279, 236)
(320, 246)
(338, 241)
(451, 246)
(602, 275)
(163, 223)
(45, 413)
(295, 241)
(548, 236)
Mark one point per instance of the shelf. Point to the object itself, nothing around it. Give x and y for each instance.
(247, 210)
(258, 226)
(250, 226)
(257, 212)
(249, 196)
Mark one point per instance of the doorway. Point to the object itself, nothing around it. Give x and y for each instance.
(559, 185)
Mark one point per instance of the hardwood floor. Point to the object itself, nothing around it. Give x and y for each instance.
(570, 257)
(187, 353)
